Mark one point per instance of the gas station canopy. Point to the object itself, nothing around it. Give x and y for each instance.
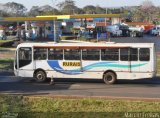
(82, 16)
(59, 17)
(27, 19)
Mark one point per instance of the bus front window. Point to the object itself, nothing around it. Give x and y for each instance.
(25, 56)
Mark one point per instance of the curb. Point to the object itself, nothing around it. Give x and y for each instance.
(6, 70)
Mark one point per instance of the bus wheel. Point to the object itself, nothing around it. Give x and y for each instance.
(109, 78)
(40, 76)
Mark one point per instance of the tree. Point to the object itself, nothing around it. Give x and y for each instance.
(43, 10)
(2, 11)
(147, 9)
(68, 7)
(100, 10)
(79, 11)
(15, 9)
(34, 11)
(147, 5)
(146, 12)
(48, 10)
(89, 9)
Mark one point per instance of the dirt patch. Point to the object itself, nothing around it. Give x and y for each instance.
(6, 54)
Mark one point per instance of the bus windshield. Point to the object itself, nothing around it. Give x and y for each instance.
(25, 56)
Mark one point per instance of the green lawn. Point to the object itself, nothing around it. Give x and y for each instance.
(158, 65)
(29, 106)
(6, 63)
(7, 48)
(4, 41)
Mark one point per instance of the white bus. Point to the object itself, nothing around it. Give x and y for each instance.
(107, 61)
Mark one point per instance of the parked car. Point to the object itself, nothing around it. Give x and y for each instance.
(114, 30)
(136, 31)
(155, 31)
(125, 30)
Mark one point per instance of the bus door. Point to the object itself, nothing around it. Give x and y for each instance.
(125, 63)
(24, 61)
(134, 61)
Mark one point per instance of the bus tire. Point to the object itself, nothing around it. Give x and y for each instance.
(40, 76)
(109, 78)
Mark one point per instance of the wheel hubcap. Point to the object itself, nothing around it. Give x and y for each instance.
(109, 78)
(39, 76)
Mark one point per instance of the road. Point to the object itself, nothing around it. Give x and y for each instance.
(146, 88)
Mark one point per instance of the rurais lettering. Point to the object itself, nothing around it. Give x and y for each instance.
(71, 64)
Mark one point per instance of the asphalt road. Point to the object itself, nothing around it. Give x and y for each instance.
(145, 88)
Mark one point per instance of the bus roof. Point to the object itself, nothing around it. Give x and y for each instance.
(82, 44)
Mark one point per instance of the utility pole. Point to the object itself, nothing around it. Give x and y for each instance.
(108, 33)
(106, 18)
(54, 22)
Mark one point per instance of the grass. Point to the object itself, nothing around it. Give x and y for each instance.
(7, 48)
(2, 41)
(6, 63)
(6, 43)
(158, 65)
(26, 105)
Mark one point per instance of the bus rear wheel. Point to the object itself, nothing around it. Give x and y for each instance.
(109, 78)
(40, 76)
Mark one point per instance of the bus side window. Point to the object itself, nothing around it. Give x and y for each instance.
(40, 54)
(134, 54)
(55, 54)
(91, 54)
(124, 54)
(72, 54)
(110, 54)
(144, 54)
(36, 55)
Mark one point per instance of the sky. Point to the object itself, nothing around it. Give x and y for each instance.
(81, 3)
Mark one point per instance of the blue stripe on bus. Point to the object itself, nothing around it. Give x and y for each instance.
(55, 65)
